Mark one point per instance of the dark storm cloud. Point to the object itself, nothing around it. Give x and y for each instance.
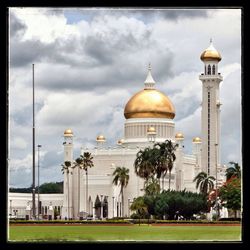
(16, 26)
(98, 50)
(188, 13)
(27, 52)
(148, 14)
(51, 158)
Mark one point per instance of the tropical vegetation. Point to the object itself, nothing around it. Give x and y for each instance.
(170, 205)
(121, 177)
(154, 163)
(204, 183)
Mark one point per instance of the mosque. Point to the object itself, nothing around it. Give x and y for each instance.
(149, 118)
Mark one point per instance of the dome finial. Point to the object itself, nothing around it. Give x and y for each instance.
(149, 82)
(211, 40)
(149, 67)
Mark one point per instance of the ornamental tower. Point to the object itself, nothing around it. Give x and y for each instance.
(67, 210)
(210, 113)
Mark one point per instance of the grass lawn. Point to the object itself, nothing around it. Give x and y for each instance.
(120, 233)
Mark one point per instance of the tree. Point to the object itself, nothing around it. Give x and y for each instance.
(65, 168)
(152, 187)
(165, 159)
(121, 177)
(233, 171)
(84, 162)
(230, 194)
(144, 164)
(51, 188)
(140, 207)
(204, 182)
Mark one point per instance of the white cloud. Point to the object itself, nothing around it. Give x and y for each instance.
(18, 143)
(85, 72)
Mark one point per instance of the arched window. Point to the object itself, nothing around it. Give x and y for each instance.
(213, 70)
(209, 70)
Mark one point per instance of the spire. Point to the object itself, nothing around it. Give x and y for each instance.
(149, 82)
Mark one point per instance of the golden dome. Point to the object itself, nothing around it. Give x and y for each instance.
(210, 54)
(196, 140)
(179, 136)
(100, 138)
(68, 132)
(151, 131)
(149, 103)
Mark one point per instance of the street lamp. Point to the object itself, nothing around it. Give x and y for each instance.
(101, 208)
(38, 198)
(10, 213)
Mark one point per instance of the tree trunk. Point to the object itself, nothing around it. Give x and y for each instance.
(162, 182)
(68, 192)
(169, 180)
(122, 204)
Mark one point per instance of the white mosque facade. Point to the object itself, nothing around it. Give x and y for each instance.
(149, 118)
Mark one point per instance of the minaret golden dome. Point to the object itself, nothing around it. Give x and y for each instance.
(179, 136)
(68, 132)
(196, 140)
(210, 54)
(149, 103)
(100, 138)
(151, 131)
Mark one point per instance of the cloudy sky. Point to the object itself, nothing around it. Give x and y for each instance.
(89, 62)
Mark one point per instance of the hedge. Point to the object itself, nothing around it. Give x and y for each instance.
(131, 221)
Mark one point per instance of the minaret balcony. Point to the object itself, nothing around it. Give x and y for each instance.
(206, 77)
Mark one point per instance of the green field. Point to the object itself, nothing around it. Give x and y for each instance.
(120, 233)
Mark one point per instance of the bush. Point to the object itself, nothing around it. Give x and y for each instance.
(69, 222)
(230, 219)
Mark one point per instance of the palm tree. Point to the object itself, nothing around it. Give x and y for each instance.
(233, 171)
(121, 177)
(84, 162)
(65, 168)
(144, 164)
(153, 187)
(204, 182)
(139, 206)
(165, 159)
(87, 163)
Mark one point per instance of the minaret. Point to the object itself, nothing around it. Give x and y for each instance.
(67, 185)
(179, 180)
(211, 79)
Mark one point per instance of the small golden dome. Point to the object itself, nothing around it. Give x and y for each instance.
(151, 131)
(100, 138)
(68, 132)
(121, 141)
(179, 136)
(210, 54)
(196, 140)
(149, 103)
